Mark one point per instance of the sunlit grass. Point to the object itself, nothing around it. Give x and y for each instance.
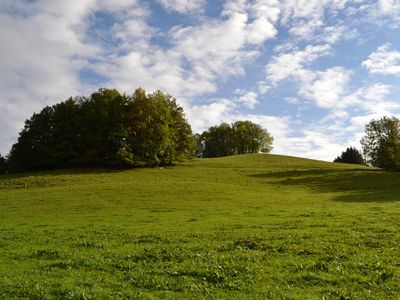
(253, 226)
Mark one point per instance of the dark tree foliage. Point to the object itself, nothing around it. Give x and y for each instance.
(381, 143)
(239, 138)
(199, 145)
(219, 141)
(3, 165)
(350, 156)
(107, 129)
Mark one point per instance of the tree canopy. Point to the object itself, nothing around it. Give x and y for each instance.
(240, 137)
(381, 143)
(350, 156)
(107, 129)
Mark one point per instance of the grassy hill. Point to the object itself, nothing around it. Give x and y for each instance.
(252, 226)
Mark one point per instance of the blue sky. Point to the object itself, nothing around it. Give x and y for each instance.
(313, 72)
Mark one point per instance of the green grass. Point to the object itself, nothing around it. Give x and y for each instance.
(244, 227)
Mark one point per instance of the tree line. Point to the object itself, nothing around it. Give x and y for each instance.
(113, 130)
(107, 129)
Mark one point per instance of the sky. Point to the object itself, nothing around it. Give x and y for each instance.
(312, 72)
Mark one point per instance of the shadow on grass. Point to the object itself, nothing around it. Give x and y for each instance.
(347, 185)
(61, 172)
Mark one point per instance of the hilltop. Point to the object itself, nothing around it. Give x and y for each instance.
(248, 226)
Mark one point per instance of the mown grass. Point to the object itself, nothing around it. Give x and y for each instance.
(245, 227)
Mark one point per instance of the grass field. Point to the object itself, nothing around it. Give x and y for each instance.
(244, 227)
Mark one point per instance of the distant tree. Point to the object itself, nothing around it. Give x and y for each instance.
(239, 138)
(251, 138)
(350, 156)
(381, 143)
(3, 165)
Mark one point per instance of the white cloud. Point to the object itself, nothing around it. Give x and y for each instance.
(380, 12)
(292, 100)
(199, 56)
(292, 64)
(328, 88)
(333, 34)
(303, 17)
(263, 87)
(331, 89)
(183, 6)
(49, 43)
(41, 58)
(202, 117)
(248, 99)
(383, 61)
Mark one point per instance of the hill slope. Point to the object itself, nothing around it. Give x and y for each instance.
(252, 226)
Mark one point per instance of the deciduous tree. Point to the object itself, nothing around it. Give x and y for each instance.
(381, 143)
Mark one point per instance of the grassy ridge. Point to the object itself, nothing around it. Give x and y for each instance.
(253, 226)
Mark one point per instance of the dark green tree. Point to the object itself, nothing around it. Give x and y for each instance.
(33, 151)
(67, 132)
(102, 124)
(350, 156)
(219, 141)
(381, 143)
(3, 164)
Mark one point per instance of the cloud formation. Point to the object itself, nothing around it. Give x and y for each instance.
(222, 60)
(383, 61)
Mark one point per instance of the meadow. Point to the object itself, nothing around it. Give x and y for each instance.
(241, 227)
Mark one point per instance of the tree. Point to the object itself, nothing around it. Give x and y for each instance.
(350, 156)
(3, 165)
(199, 145)
(219, 141)
(251, 138)
(381, 143)
(239, 138)
(102, 123)
(35, 141)
(158, 131)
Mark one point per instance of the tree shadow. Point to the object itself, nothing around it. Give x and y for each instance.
(60, 172)
(347, 185)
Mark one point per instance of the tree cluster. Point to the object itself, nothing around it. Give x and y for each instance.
(240, 137)
(350, 156)
(107, 129)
